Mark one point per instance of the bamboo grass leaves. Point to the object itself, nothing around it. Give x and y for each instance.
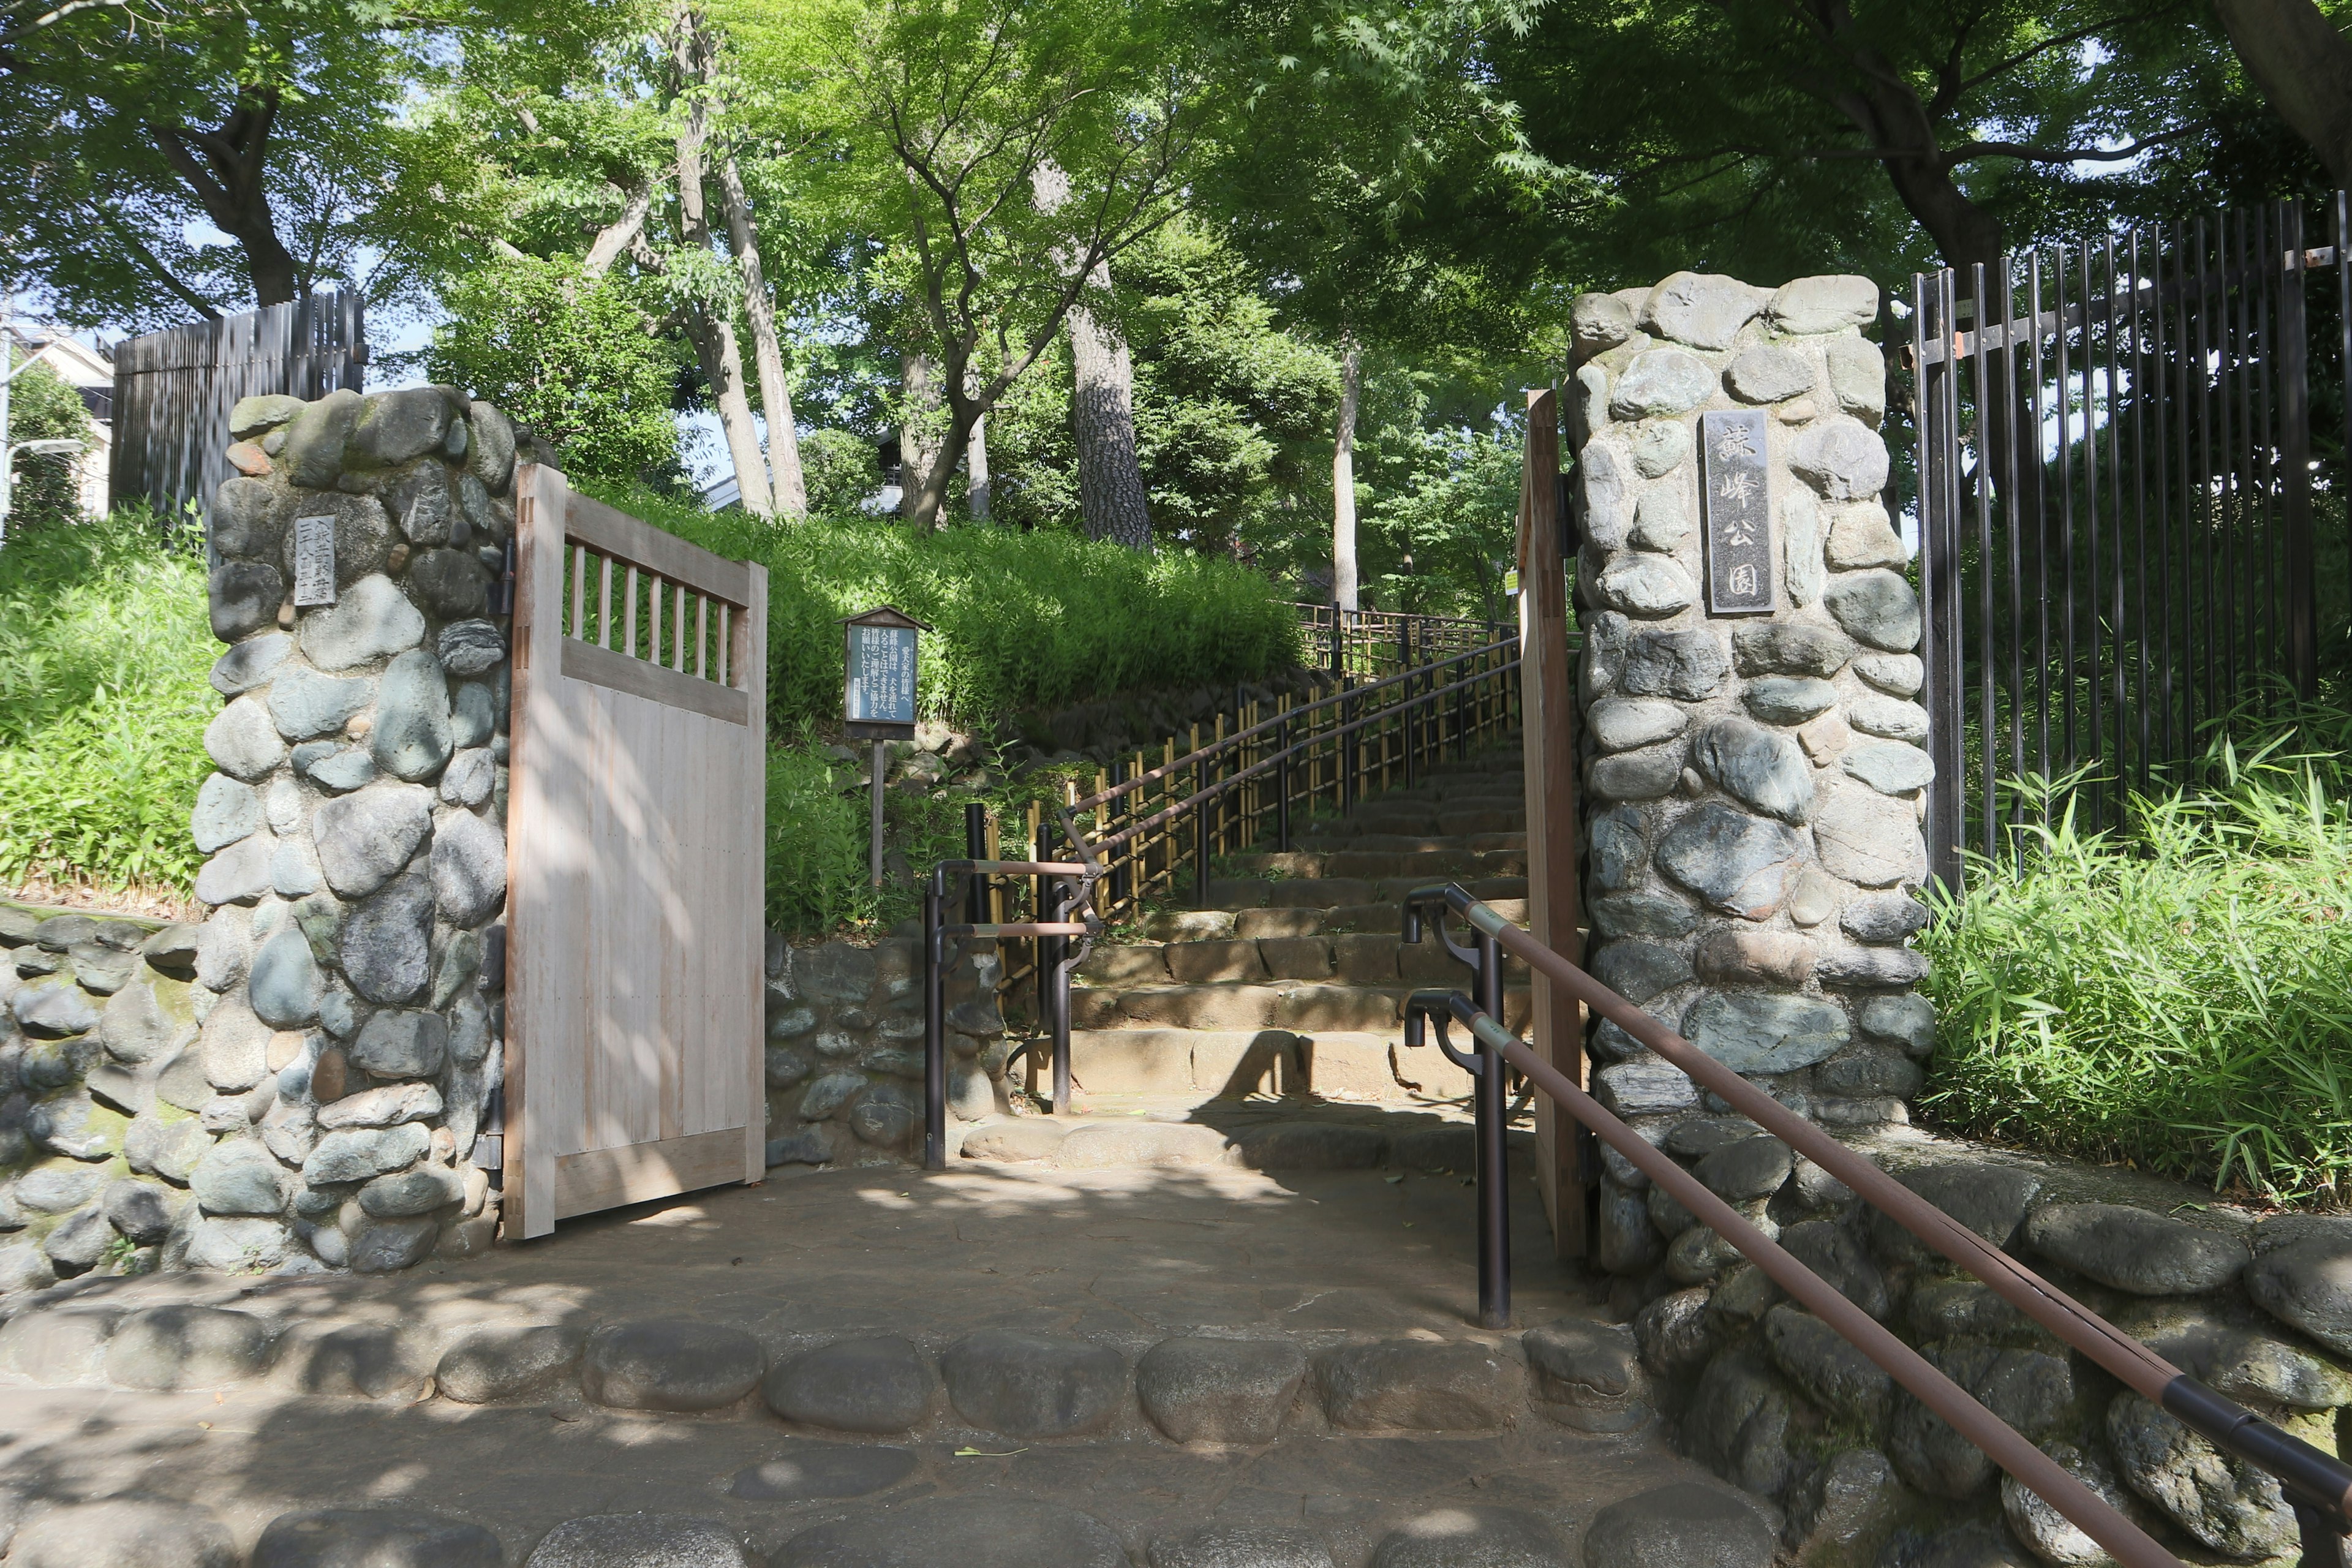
(2180, 997)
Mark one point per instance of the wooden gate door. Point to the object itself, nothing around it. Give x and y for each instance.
(635, 828)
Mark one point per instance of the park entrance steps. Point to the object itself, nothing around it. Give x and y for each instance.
(1288, 990)
(995, 1366)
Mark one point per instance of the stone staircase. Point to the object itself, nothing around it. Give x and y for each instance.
(1291, 985)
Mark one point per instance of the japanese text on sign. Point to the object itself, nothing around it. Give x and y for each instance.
(881, 675)
(314, 561)
(1736, 501)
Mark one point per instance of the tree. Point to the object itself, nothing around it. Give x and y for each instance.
(1773, 138)
(581, 360)
(1231, 409)
(1363, 121)
(136, 130)
(951, 111)
(2302, 63)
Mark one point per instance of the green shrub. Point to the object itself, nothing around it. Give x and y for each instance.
(48, 489)
(839, 470)
(574, 359)
(2177, 997)
(1021, 620)
(104, 652)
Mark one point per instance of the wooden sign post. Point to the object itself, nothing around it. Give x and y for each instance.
(878, 700)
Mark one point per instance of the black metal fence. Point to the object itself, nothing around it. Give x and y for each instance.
(173, 389)
(2117, 500)
(1380, 642)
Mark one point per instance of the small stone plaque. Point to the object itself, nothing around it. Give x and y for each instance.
(1736, 497)
(314, 562)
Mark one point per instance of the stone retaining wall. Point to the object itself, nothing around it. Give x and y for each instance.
(98, 1018)
(1773, 1399)
(845, 1054)
(1756, 780)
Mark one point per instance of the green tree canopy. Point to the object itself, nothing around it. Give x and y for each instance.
(182, 155)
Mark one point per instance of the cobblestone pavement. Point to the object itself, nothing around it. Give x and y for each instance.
(1100, 1263)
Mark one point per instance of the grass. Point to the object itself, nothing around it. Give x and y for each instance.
(104, 650)
(1020, 620)
(2176, 994)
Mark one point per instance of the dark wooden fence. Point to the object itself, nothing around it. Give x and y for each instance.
(2122, 445)
(173, 390)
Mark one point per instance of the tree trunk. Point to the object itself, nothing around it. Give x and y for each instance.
(1112, 501)
(224, 168)
(1344, 587)
(713, 332)
(775, 393)
(1111, 496)
(976, 462)
(2303, 67)
(918, 441)
(615, 239)
(923, 486)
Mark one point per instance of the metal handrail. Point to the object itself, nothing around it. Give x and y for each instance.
(1419, 696)
(1073, 883)
(2316, 1485)
(1263, 765)
(1292, 715)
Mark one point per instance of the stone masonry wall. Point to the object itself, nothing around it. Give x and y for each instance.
(845, 1054)
(349, 973)
(1755, 781)
(1770, 1398)
(86, 1004)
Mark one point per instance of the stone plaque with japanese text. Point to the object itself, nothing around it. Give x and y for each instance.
(314, 562)
(1735, 501)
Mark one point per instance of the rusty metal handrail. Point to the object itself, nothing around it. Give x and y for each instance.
(2318, 1485)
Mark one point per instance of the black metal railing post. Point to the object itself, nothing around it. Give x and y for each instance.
(1041, 904)
(2323, 1543)
(1347, 739)
(1201, 835)
(1120, 880)
(1282, 785)
(935, 1054)
(1058, 1022)
(976, 848)
(1493, 1152)
(1407, 732)
(1461, 719)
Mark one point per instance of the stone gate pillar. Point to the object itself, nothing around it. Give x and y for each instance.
(1754, 753)
(349, 972)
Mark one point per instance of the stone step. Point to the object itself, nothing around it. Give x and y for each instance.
(992, 1383)
(1363, 958)
(1197, 1067)
(1375, 864)
(1225, 1064)
(1476, 814)
(1473, 1463)
(1413, 843)
(1388, 887)
(1297, 1006)
(1260, 1135)
(1507, 895)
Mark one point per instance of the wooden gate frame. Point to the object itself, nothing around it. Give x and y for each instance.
(543, 996)
(1547, 732)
